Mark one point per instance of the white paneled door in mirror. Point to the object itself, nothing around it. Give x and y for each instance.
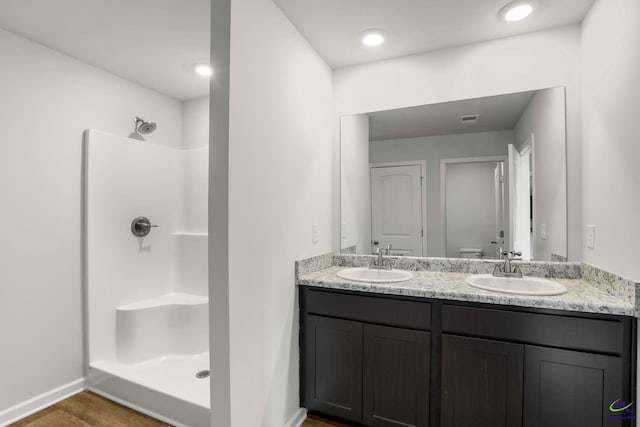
(397, 220)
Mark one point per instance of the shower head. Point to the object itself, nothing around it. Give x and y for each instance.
(145, 127)
(142, 127)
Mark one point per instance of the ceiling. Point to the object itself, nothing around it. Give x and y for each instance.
(333, 27)
(500, 112)
(151, 42)
(155, 43)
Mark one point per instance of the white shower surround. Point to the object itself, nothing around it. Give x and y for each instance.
(146, 298)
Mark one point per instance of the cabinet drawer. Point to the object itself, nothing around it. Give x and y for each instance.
(372, 309)
(579, 333)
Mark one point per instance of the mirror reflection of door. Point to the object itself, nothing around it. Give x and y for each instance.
(472, 207)
(520, 206)
(397, 208)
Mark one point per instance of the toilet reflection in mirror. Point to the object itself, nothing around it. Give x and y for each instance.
(472, 178)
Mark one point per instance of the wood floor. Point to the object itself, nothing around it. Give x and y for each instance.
(87, 409)
(315, 421)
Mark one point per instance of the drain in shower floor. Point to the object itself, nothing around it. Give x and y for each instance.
(203, 374)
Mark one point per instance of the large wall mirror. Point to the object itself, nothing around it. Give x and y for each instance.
(471, 178)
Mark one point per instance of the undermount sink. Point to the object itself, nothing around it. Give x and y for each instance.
(514, 285)
(372, 275)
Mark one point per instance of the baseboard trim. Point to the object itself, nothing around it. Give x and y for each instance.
(51, 397)
(298, 418)
(38, 403)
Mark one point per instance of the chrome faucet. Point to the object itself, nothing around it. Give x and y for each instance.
(499, 251)
(380, 263)
(508, 269)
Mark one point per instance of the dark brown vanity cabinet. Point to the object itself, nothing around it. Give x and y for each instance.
(381, 360)
(373, 374)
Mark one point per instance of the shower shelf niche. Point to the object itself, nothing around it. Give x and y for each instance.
(190, 234)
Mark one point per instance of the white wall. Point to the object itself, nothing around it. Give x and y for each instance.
(432, 149)
(195, 123)
(48, 100)
(611, 176)
(355, 187)
(545, 118)
(470, 207)
(280, 183)
(532, 61)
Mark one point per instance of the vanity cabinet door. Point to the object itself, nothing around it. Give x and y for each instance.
(396, 377)
(571, 389)
(481, 383)
(333, 368)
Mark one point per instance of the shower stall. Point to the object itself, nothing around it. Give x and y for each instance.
(145, 278)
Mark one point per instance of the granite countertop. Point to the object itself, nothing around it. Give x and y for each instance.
(581, 296)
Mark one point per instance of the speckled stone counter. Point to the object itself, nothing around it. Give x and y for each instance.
(581, 296)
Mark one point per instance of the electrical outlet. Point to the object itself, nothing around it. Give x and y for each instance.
(315, 233)
(543, 231)
(590, 237)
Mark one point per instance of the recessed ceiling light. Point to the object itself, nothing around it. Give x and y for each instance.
(372, 38)
(516, 11)
(203, 70)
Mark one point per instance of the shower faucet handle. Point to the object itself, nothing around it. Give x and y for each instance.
(145, 225)
(141, 226)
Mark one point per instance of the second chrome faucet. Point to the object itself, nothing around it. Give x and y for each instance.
(508, 269)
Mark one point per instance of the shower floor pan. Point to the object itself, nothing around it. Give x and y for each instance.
(165, 388)
(161, 344)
